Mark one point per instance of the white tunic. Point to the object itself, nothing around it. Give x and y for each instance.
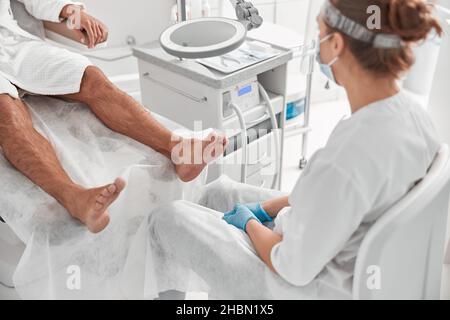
(371, 160)
(31, 64)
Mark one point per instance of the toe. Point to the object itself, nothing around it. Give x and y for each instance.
(120, 185)
(105, 192)
(101, 199)
(111, 189)
(98, 206)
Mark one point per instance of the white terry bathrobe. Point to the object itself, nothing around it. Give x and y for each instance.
(31, 64)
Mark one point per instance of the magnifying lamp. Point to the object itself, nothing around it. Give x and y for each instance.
(209, 37)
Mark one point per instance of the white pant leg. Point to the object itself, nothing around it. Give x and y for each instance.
(188, 238)
(224, 193)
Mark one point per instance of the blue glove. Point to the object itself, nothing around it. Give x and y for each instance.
(239, 216)
(257, 210)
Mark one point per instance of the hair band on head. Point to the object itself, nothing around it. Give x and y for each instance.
(336, 20)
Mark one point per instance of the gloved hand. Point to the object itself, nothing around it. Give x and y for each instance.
(257, 210)
(240, 216)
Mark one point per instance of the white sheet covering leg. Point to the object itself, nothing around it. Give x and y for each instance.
(193, 249)
(222, 194)
(58, 248)
(190, 248)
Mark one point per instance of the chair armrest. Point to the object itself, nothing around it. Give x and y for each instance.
(61, 29)
(59, 32)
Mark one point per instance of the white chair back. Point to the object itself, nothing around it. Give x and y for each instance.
(405, 247)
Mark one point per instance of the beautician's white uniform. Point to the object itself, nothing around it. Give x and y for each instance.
(31, 64)
(371, 160)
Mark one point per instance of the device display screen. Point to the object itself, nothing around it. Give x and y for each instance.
(245, 90)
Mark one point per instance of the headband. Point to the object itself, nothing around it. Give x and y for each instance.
(336, 20)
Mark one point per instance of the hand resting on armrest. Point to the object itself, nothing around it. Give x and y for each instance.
(79, 26)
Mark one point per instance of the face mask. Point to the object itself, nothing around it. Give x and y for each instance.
(324, 67)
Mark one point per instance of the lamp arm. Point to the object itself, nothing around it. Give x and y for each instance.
(247, 13)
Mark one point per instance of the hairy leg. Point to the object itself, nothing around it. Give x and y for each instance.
(122, 114)
(30, 153)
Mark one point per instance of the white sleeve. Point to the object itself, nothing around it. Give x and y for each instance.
(47, 10)
(327, 208)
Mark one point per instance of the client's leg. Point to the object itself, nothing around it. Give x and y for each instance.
(31, 154)
(123, 114)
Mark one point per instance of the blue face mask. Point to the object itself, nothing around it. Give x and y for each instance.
(326, 68)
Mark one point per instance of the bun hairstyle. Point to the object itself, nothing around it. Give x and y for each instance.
(412, 20)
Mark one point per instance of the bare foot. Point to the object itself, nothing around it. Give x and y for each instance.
(208, 150)
(90, 207)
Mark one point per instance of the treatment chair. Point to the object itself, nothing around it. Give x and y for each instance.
(405, 247)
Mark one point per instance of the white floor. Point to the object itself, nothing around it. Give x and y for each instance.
(324, 117)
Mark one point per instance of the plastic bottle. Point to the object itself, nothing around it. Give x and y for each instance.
(174, 13)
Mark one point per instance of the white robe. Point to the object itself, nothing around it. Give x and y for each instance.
(29, 63)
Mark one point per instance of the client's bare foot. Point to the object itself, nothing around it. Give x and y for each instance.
(91, 205)
(194, 156)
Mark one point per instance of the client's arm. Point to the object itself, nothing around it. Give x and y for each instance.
(89, 30)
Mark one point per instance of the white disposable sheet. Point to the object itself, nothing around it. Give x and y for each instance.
(63, 259)
(156, 241)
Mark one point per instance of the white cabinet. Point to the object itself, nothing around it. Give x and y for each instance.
(262, 163)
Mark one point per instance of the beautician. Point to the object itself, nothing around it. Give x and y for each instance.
(371, 159)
